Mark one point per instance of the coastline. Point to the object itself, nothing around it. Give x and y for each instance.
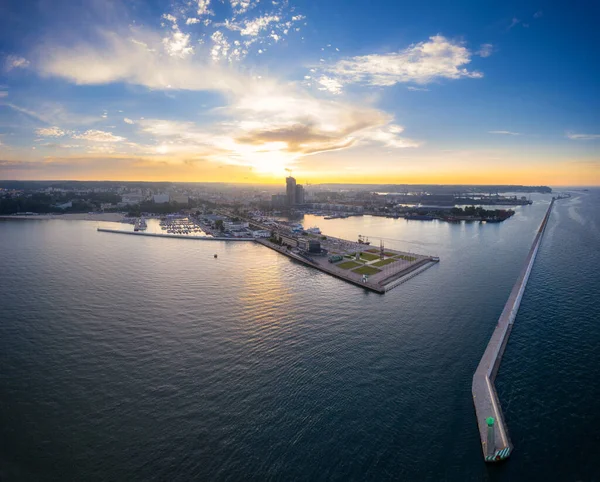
(107, 217)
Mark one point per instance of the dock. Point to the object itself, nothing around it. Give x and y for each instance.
(495, 440)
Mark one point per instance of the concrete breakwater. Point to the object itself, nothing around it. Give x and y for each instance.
(495, 440)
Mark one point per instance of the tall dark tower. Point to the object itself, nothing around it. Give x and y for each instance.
(290, 190)
(299, 194)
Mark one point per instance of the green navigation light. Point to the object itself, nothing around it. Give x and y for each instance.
(490, 421)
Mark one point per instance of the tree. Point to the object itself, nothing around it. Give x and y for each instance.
(219, 225)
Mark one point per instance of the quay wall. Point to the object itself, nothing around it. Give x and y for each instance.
(284, 251)
(484, 393)
(397, 281)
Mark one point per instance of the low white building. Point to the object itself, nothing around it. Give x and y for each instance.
(132, 198)
(160, 198)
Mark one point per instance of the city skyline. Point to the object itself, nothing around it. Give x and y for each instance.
(243, 91)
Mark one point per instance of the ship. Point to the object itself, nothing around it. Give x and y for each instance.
(313, 230)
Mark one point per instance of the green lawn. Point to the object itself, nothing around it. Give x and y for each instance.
(383, 262)
(368, 256)
(366, 270)
(389, 254)
(406, 258)
(372, 250)
(348, 264)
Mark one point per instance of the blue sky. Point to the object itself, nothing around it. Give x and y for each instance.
(355, 91)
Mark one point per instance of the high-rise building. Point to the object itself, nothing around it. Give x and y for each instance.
(290, 190)
(299, 194)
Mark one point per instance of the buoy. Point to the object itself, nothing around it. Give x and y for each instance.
(215, 255)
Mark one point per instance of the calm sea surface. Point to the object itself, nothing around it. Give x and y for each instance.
(146, 359)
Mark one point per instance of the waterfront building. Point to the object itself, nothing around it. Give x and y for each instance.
(288, 240)
(310, 245)
(160, 198)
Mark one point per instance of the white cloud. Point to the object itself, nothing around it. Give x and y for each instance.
(203, 7)
(388, 136)
(128, 121)
(485, 50)
(220, 47)
(15, 62)
(265, 125)
(53, 145)
(506, 133)
(240, 6)
(170, 18)
(144, 62)
(273, 127)
(253, 27)
(98, 136)
(583, 137)
(3, 93)
(191, 21)
(417, 89)
(513, 22)
(329, 84)
(50, 132)
(538, 14)
(421, 63)
(178, 44)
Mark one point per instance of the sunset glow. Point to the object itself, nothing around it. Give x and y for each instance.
(242, 91)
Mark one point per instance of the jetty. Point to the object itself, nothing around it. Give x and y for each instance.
(495, 440)
(172, 236)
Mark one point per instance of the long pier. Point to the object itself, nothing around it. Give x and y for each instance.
(495, 440)
(172, 236)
